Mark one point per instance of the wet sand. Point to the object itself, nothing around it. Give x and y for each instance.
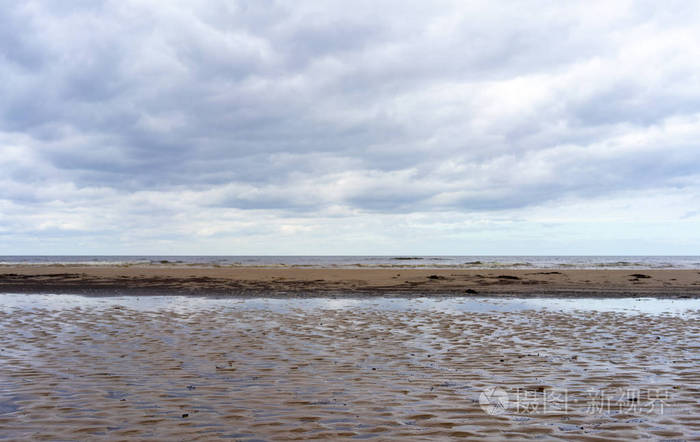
(191, 369)
(353, 282)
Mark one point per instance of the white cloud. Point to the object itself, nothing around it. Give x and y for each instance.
(310, 127)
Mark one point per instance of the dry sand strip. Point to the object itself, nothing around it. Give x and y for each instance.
(285, 282)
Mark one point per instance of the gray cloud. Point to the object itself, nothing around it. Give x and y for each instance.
(310, 108)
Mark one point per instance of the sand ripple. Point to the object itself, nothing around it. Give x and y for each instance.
(117, 372)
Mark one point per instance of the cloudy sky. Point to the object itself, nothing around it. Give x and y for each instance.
(329, 127)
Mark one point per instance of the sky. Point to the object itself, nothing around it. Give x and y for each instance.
(365, 127)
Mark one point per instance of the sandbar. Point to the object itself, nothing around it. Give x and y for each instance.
(346, 282)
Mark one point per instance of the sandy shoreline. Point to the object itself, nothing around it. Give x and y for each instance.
(201, 369)
(303, 282)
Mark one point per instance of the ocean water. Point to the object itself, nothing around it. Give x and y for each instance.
(395, 261)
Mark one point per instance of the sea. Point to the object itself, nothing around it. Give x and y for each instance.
(389, 261)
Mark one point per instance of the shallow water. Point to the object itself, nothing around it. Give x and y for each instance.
(654, 306)
(199, 368)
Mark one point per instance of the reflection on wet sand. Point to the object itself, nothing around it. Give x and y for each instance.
(351, 370)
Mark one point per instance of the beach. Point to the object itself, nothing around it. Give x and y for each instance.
(313, 220)
(237, 281)
(185, 368)
(199, 352)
